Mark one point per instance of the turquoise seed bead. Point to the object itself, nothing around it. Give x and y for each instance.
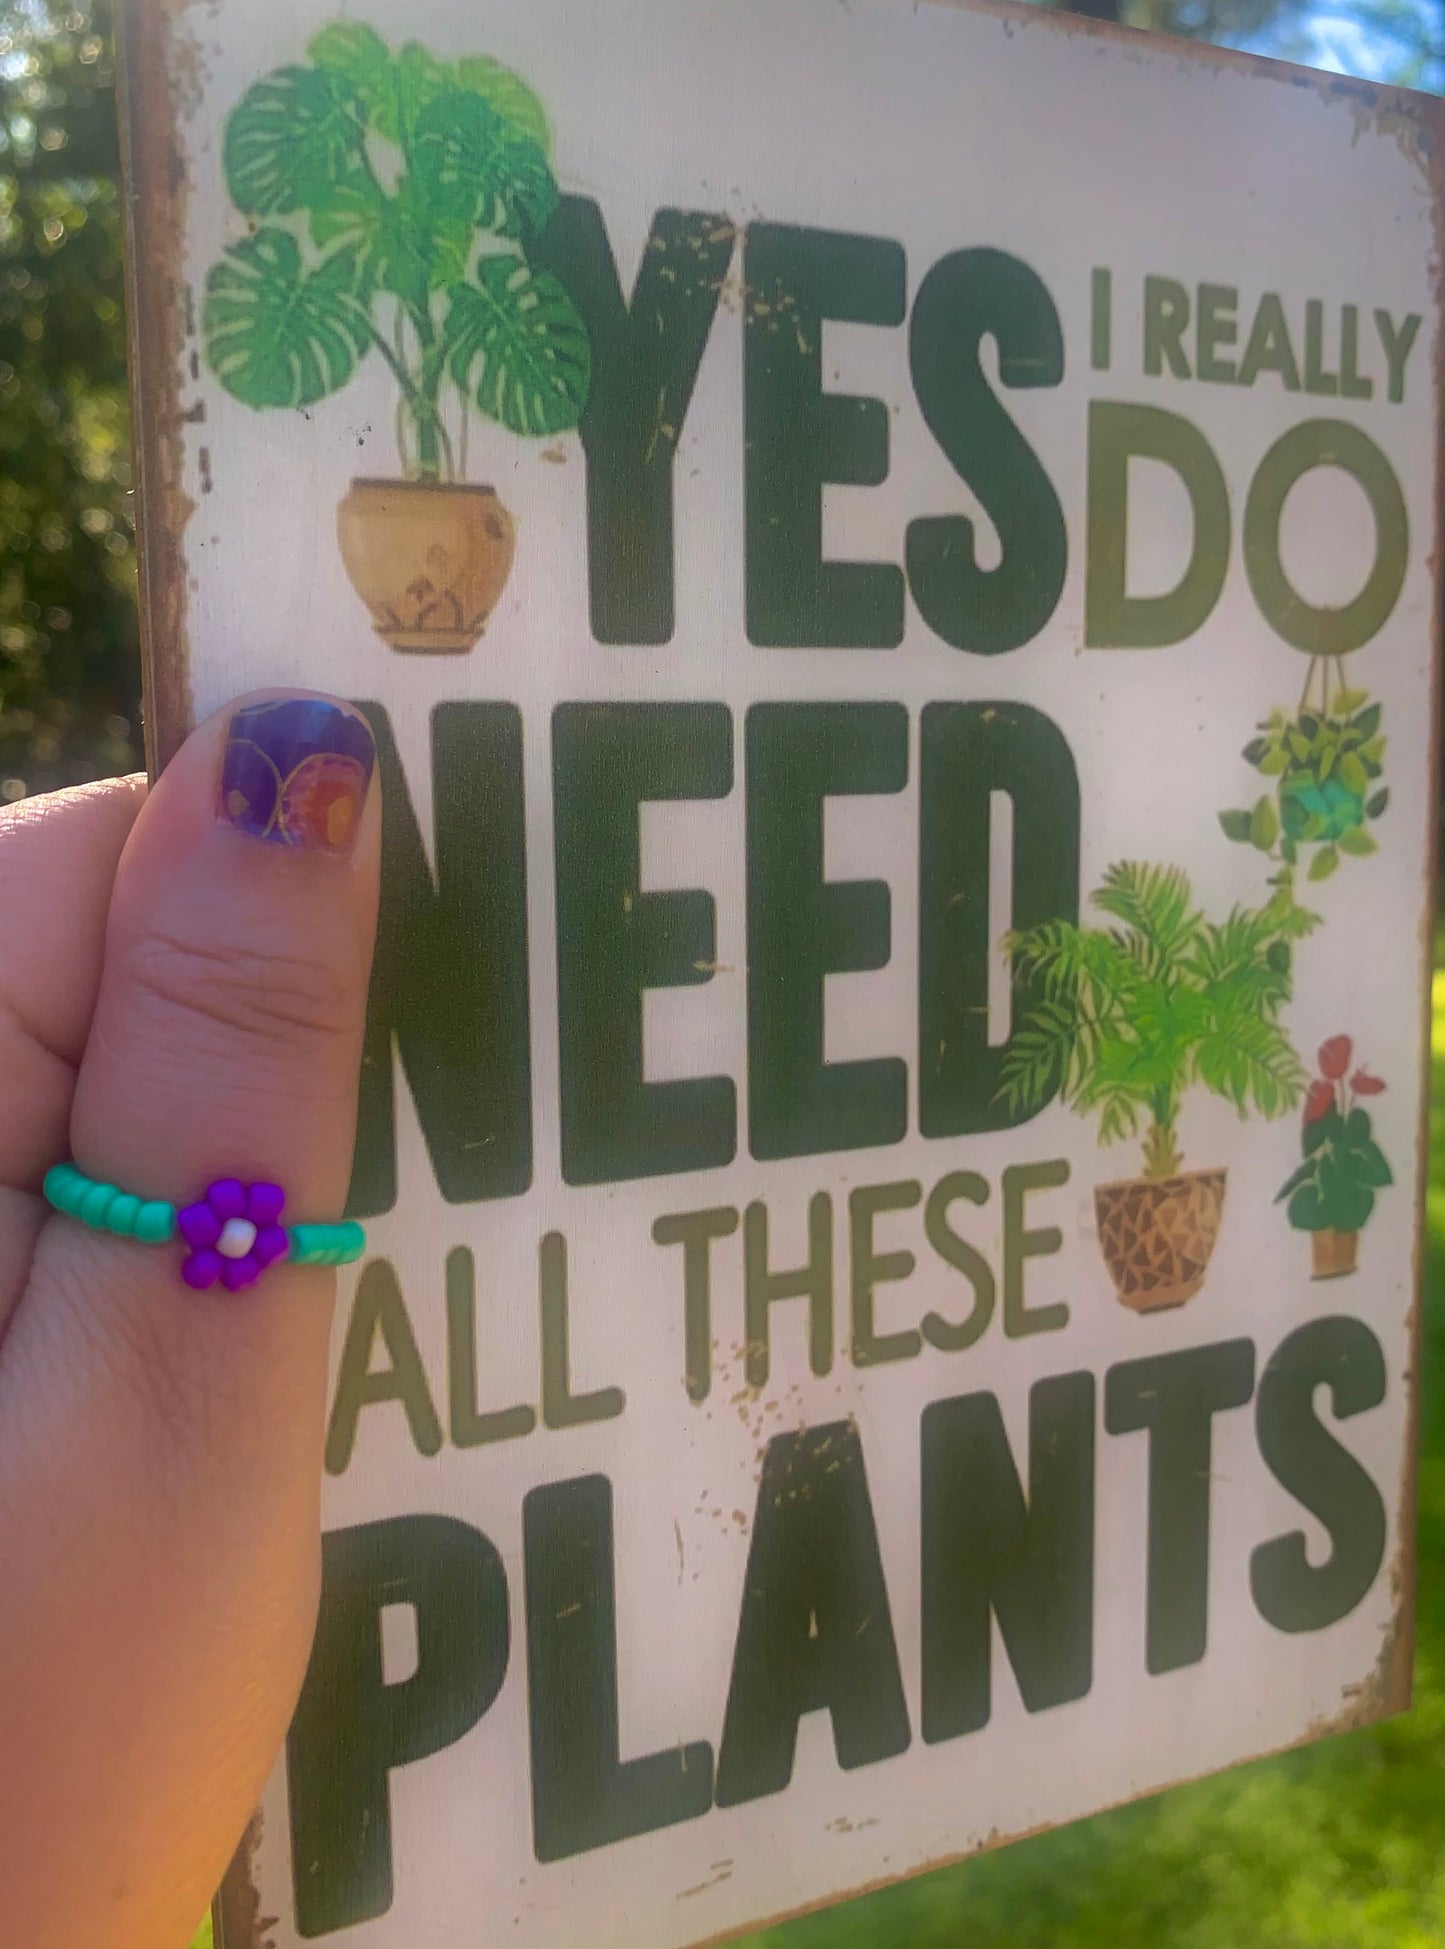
(106, 1208)
(95, 1204)
(155, 1223)
(327, 1244)
(64, 1187)
(123, 1214)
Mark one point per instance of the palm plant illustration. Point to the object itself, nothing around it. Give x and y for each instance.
(395, 201)
(1131, 1016)
(1127, 1019)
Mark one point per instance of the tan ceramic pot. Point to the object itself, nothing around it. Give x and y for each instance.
(430, 562)
(1157, 1236)
(1334, 1253)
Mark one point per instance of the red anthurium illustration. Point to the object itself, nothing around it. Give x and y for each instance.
(1333, 1192)
(1334, 1057)
(1320, 1101)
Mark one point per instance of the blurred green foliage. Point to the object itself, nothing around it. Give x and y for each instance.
(1408, 38)
(69, 680)
(1226, 23)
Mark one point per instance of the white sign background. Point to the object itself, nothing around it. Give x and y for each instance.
(942, 129)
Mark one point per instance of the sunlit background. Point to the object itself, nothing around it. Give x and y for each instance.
(1339, 1847)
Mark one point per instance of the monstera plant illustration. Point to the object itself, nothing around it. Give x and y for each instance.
(394, 201)
(1128, 1017)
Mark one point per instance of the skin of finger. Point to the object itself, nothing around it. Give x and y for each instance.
(161, 1542)
(58, 858)
(153, 1659)
(22, 1215)
(173, 1439)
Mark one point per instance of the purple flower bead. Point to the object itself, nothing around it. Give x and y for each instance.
(264, 1203)
(227, 1198)
(199, 1226)
(234, 1233)
(271, 1244)
(201, 1270)
(237, 1274)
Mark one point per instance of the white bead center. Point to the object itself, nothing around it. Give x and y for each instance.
(238, 1235)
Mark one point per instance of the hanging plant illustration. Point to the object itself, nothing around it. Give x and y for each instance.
(394, 201)
(1127, 1019)
(1325, 764)
(1332, 1194)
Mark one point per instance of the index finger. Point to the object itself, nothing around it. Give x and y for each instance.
(58, 857)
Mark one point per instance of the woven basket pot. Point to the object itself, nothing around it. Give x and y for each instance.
(1157, 1236)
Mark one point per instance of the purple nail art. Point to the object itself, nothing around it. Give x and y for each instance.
(296, 772)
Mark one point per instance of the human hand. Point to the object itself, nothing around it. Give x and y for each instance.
(183, 982)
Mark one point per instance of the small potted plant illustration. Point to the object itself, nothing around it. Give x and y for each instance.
(393, 202)
(1333, 1192)
(1122, 1021)
(1325, 764)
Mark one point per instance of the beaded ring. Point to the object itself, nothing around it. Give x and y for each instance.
(233, 1234)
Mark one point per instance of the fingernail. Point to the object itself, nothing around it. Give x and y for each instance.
(296, 773)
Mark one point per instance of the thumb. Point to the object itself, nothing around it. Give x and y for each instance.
(227, 1033)
(226, 1041)
(172, 1437)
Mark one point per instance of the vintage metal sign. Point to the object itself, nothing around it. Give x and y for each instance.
(889, 551)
